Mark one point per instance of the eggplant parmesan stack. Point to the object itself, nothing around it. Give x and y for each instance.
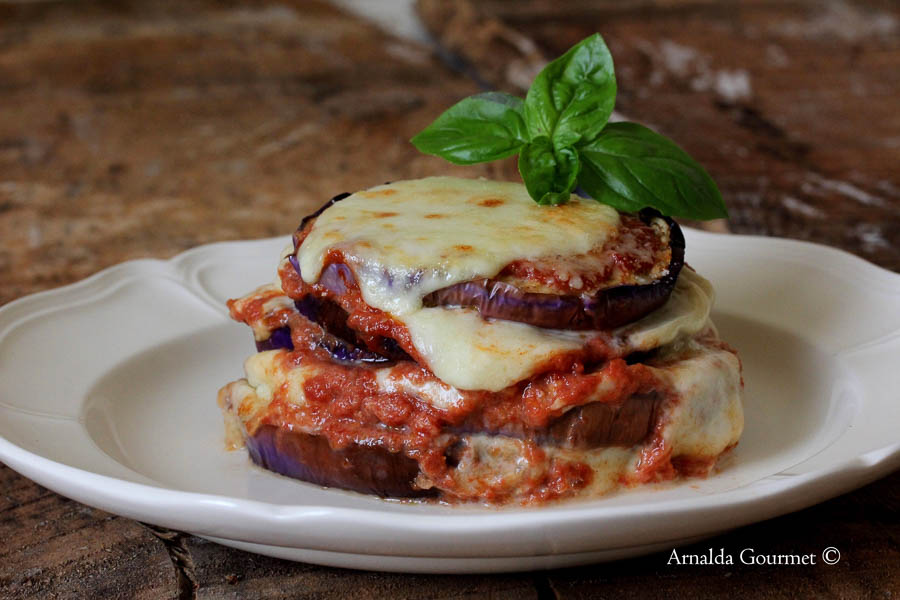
(451, 338)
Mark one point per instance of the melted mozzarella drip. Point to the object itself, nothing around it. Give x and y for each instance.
(266, 374)
(407, 239)
(710, 416)
(472, 353)
(684, 313)
(434, 393)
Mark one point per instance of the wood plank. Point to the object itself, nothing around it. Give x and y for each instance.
(56, 547)
(154, 127)
(226, 573)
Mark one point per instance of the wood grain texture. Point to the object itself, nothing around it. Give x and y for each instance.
(862, 525)
(142, 129)
(151, 128)
(53, 547)
(225, 573)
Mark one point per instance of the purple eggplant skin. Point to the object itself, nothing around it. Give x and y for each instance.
(607, 309)
(335, 277)
(310, 217)
(338, 346)
(599, 424)
(340, 341)
(339, 349)
(278, 338)
(586, 427)
(328, 315)
(365, 469)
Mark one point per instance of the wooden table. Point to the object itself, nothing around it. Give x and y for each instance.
(136, 130)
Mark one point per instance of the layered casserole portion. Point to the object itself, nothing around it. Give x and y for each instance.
(450, 338)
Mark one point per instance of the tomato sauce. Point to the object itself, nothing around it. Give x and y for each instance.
(636, 252)
(563, 479)
(252, 310)
(371, 324)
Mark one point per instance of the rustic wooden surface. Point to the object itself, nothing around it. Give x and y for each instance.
(132, 130)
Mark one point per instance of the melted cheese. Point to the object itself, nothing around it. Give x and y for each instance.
(407, 239)
(686, 312)
(434, 393)
(711, 417)
(472, 353)
(265, 373)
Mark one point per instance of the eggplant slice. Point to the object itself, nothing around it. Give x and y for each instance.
(336, 338)
(608, 308)
(371, 469)
(599, 424)
(365, 469)
(278, 338)
(586, 427)
(339, 340)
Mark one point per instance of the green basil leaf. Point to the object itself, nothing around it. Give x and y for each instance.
(549, 174)
(477, 129)
(629, 167)
(571, 99)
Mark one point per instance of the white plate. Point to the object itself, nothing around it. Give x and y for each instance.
(108, 387)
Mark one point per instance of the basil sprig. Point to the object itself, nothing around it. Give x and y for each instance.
(563, 137)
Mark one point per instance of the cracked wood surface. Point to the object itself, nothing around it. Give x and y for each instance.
(142, 129)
